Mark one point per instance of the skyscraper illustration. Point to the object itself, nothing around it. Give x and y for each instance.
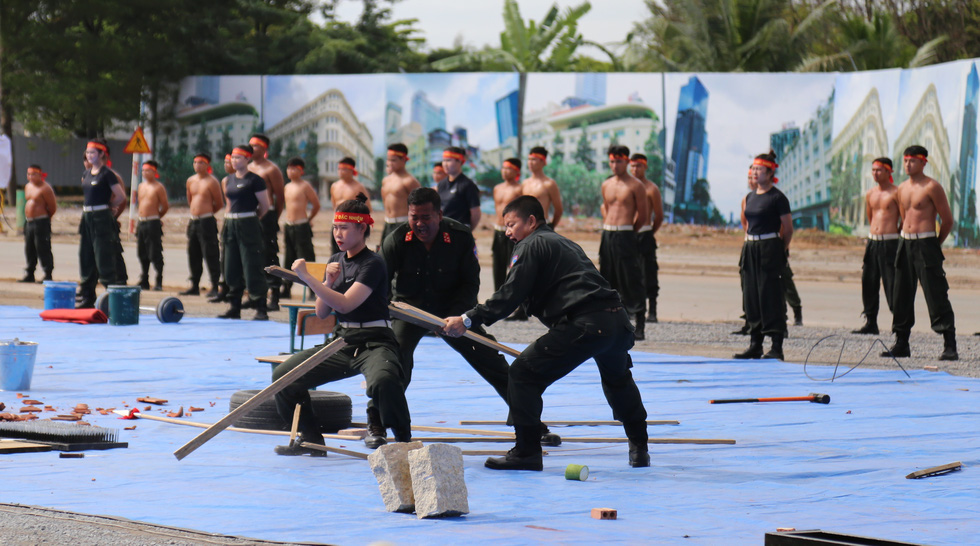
(691, 149)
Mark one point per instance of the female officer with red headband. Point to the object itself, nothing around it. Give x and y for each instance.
(767, 237)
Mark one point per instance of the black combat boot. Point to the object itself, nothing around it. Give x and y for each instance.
(526, 455)
(376, 431)
(949, 346)
(261, 311)
(221, 296)
(638, 440)
(901, 347)
(144, 282)
(274, 299)
(296, 446)
(638, 333)
(776, 350)
(870, 326)
(652, 315)
(233, 312)
(194, 290)
(797, 316)
(158, 287)
(743, 331)
(402, 434)
(27, 278)
(755, 348)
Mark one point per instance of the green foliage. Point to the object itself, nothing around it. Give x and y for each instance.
(309, 156)
(580, 186)
(583, 151)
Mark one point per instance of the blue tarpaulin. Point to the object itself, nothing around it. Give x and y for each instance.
(839, 467)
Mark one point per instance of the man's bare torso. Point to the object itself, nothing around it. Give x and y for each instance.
(883, 208)
(341, 191)
(916, 199)
(394, 193)
(297, 199)
(201, 192)
(503, 194)
(273, 179)
(619, 202)
(149, 196)
(36, 203)
(540, 188)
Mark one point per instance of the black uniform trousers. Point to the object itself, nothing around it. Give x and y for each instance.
(270, 245)
(122, 276)
(202, 244)
(149, 246)
(389, 228)
(502, 250)
(878, 269)
(37, 245)
(763, 291)
(605, 336)
(789, 288)
(619, 264)
(647, 246)
(371, 352)
(298, 240)
(244, 257)
(920, 262)
(97, 251)
(487, 362)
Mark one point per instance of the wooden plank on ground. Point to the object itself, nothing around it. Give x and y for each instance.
(22, 446)
(573, 423)
(935, 471)
(566, 440)
(187, 423)
(263, 395)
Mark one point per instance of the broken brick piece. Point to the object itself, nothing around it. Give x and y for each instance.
(603, 513)
(34, 402)
(71, 417)
(20, 395)
(148, 408)
(212, 404)
(4, 406)
(86, 423)
(130, 428)
(30, 409)
(178, 413)
(8, 417)
(151, 400)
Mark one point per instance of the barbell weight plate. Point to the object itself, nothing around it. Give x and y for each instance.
(170, 310)
(102, 303)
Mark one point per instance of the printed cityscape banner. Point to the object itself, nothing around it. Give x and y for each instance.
(698, 131)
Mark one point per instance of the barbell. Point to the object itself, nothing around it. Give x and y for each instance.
(169, 309)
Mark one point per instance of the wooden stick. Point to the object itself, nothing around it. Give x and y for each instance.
(422, 428)
(570, 423)
(263, 395)
(936, 470)
(349, 453)
(565, 440)
(489, 452)
(409, 313)
(187, 423)
(293, 430)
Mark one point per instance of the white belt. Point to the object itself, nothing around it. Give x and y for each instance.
(41, 217)
(299, 222)
(148, 218)
(607, 227)
(762, 237)
(94, 208)
(205, 215)
(922, 235)
(883, 237)
(398, 220)
(237, 215)
(372, 324)
(500, 228)
(645, 228)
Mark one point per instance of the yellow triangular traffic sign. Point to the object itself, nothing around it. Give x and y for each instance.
(137, 144)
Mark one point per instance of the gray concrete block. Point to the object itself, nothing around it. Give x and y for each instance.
(437, 480)
(390, 466)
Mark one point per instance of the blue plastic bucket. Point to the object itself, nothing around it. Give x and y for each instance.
(59, 295)
(124, 304)
(17, 364)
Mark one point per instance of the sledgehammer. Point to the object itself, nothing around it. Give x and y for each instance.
(814, 397)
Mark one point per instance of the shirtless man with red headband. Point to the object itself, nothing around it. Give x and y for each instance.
(395, 188)
(881, 207)
(205, 199)
(542, 187)
(274, 183)
(919, 258)
(646, 238)
(39, 207)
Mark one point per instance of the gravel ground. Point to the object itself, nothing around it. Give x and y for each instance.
(22, 525)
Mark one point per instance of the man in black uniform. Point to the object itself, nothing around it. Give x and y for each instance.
(460, 196)
(100, 237)
(241, 236)
(432, 266)
(555, 281)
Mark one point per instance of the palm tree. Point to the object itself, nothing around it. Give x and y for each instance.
(528, 47)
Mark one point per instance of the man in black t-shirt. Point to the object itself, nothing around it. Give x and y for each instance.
(104, 198)
(460, 196)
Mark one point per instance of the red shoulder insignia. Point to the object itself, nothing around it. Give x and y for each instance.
(445, 237)
(408, 236)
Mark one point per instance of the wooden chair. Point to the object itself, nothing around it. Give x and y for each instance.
(307, 323)
(319, 271)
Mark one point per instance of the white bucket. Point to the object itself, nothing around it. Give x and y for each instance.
(16, 364)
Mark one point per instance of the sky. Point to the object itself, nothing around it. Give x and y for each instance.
(480, 22)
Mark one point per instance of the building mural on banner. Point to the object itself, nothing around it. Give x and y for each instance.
(825, 128)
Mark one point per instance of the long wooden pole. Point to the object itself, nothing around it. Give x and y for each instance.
(572, 423)
(187, 423)
(263, 395)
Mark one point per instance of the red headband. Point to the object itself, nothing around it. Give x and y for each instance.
(204, 159)
(538, 156)
(97, 146)
(343, 166)
(453, 155)
(227, 157)
(241, 152)
(884, 166)
(918, 156)
(353, 218)
(638, 160)
(396, 153)
(765, 163)
(618, 156)
(156, 174)
(44, 175)
(512, 165)
(256, 141)
(438, 168)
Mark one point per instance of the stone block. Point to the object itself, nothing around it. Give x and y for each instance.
(390, 466)
(437, 480)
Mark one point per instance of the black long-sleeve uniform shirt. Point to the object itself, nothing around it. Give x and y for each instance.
(443, 280)
(552, 277)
